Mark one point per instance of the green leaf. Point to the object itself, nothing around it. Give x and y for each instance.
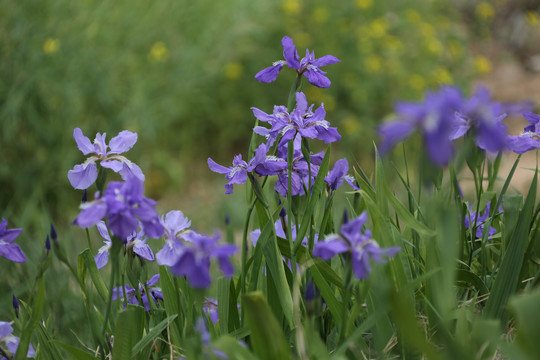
(48, 349)
(233, 349)
(37, 310)
(127, 333)
(171, 301)
(274, 264)
(507, 279)
(75, 352)
(525, 308)
(152, 334)
(95, 275)
(223, 304)
(336, 308)
(317, 188)
(267, 338)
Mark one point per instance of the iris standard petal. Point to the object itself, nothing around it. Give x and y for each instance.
(215, 167)
(122, 142)
(269, 74)
(83, 143)
(290, 53)
(83, 175)
(325, 60)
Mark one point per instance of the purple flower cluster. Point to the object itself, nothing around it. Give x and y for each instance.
(85, 174)
(125, 208)
(308, 66)
(8, 248)
(358, 242)
(445, 116)
(135, 243)
(12, 342)
(131, 294)
(472, 219)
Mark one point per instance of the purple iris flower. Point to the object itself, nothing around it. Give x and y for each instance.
(483, 116)
(300, 170)
(359, 243)
(471, 217)
(194, 261)
(308, 66)
(175, 225)
(529, 138)
(434, 118)
(261, 163)
(85, 174)
(131, 294)
(12, 342)
(125, 208)
(210, 307)
(302, 120)
(136, 243)
(8, 248)
(335, 177)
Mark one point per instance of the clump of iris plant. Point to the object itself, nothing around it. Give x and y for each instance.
(308, 66)
(85, 174)
(355, 240)
(125, 208)
(8, 248)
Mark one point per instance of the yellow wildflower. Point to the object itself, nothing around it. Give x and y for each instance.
(482, 65)
(378, 27)
(158, 52)
(50, 46)
(233, 70)
(364, 4)
(442, 76)
(351, 125)
(291, 7)
(373, 63)
(417, 82)
(434, 46)
(427, 30)
(485, 10)
(413, 16)
(455, 48)
(533, 18)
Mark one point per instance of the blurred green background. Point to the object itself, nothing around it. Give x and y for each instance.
(181, 74)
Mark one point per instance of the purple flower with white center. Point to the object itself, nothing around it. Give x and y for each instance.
(308, 66)
(135, 243)
(302, 120)
(237, 174)
(357, 241)
(131, 294)
(194, 261)
(175, 225)
(8, 248)
(85, 174)
(472, 219)
(434, 118)
(529, 138)
(483, 116)
(12, 342)
(335, 177)
(125, 208)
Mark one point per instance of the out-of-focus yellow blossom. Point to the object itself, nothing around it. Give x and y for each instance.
(233, 70)
(291, 7)
(427, 30)
(392, 43)
(434, 46)
(350, 125)
(365, 45)
(349, 80)
(533, 18)
(485, 10)
(413, 16)
(378, 27)
(416, 82)
(455, 48)
(320, 14)
(482, 65)
(302, 40)
(158, 52)
(364, 4)
(443, 23)
(345, 25)
(373, 63)
(50, 46)
(442, 76)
